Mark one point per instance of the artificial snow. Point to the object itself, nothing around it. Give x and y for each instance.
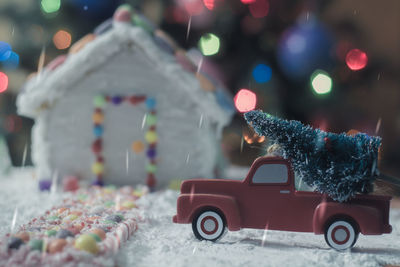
(159, 242)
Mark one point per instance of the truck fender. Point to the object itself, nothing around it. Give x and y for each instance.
(368, 220)
(225, 204)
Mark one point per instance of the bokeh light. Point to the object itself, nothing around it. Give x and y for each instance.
(246, 2)
(259, 8)
(210, 4)
(50, 6)
(12, 62)
(321, 82)
(5, 50)
(194, 7)
(62, 39)
(209, 44)
(3, 82)
(245, 100)
(262, 73)
(356, 59)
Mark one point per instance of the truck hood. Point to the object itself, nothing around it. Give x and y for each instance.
(210, 186)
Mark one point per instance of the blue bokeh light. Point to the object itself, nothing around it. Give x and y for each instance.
(262, 73)
(12, 62)
(5, 51)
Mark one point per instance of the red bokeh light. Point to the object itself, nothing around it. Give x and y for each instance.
(356, 59)
(245, 100)
(194, 7)
(259, 8)
(3, 82)
(210, 4)
(246, 2)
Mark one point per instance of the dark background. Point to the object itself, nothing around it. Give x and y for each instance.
(366, 100)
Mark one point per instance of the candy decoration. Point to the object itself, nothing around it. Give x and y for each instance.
(116, 100)
(151, 153)
(87, 243)
(98, 168)
(137, 99)
(24, 236)
(98, 118)
(151, 168)
(44, 185)
(99, 101)
(128, 205)
(151, 137)
(64, 233)
(99, 232)
(137, 147)
(69, 227)
(15, 242)
(96, 237)
(70, 183)
(51, 232)
(150, 103)
(98, 130)
(36, 244)
(56, 245)
(115, 218)
(151, 119)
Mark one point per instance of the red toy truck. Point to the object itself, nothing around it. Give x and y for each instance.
(268, 199)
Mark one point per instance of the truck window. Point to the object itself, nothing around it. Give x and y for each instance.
(271, 173)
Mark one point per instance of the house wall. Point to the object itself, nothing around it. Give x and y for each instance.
(186, 147)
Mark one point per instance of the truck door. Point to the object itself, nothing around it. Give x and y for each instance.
(269, 197)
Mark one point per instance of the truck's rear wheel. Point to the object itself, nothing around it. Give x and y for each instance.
(341, 234)
(208, 225)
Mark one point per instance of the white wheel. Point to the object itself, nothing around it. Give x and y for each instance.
(341, 235)
(208, 225)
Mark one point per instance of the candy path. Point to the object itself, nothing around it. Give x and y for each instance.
(159, 242)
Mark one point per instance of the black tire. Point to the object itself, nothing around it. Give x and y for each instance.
(208, 225)
(341, 234)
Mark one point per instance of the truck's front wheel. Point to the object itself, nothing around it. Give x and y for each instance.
(341, 234)
(208, 225)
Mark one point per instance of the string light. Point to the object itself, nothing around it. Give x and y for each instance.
(356, 59)
(321, 82)
(209, 44)
(245, 100)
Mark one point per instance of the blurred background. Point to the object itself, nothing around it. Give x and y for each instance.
(332, 64)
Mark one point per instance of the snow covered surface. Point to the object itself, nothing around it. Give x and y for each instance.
(159, 242)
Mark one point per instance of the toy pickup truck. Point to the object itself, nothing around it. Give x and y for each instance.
(267, 199)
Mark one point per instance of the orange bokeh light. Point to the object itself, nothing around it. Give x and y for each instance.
(62, 39)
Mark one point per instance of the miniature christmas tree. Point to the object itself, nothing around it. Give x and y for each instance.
(336, 164)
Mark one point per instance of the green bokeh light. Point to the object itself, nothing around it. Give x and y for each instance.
(209, 44)
(50, 6)
(321, 82)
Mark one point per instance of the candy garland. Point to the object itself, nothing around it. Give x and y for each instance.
(88, 227)
(151, 137)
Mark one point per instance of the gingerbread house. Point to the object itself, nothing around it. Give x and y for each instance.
(126, 105)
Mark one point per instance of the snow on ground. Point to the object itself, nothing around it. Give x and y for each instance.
(159, 242)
